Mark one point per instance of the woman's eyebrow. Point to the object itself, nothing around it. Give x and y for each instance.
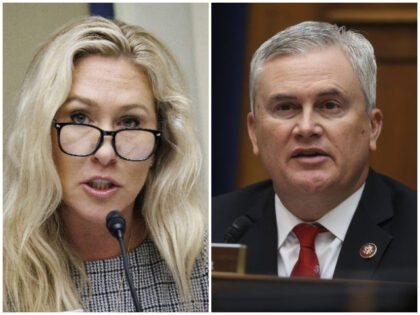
(80, 99)
(140, 106)
(90, 102)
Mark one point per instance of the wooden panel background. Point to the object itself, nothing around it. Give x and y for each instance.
(392, 30)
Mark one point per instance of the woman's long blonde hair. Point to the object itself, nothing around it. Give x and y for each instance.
(36, 257)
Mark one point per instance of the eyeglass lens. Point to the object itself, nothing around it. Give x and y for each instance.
(130, 144)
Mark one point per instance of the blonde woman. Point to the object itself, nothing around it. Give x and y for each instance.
(103, 124)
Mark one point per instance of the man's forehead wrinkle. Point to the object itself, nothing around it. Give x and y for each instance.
(309, 89)
(324, 92)
(293, 84)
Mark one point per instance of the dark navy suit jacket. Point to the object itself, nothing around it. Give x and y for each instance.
(386, 216)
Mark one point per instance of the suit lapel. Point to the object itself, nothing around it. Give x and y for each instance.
(261, 238)
(374, 207)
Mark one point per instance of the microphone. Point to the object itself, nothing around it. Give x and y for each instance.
(237, 229)
(115, 224)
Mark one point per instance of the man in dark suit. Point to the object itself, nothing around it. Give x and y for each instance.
(313, 122)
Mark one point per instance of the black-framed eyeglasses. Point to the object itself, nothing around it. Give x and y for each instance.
(131, 144)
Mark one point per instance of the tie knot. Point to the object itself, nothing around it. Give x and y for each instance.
(306, 234)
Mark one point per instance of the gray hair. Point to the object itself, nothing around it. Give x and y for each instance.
(305, 36)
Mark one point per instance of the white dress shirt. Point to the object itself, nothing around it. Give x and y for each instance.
(327, 245)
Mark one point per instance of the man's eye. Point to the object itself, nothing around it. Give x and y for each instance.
(331, 109)
(130, 122)
(285, 110)
(331, 105)
(284, 107)
(78, 118)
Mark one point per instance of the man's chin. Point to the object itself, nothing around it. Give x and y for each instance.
(312, 182)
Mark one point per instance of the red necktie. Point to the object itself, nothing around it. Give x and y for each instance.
(307, 264)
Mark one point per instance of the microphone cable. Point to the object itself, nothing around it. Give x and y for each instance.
(115, 224)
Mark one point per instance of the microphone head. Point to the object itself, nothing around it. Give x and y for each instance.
(237, 229)
(115, 222)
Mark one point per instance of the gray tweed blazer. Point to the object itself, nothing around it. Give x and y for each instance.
(155, 285)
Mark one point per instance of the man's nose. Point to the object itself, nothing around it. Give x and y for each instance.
(307, 124)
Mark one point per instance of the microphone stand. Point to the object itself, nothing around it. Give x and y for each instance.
(116, 226)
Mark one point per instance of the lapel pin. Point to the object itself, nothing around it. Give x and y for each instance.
(368, 250)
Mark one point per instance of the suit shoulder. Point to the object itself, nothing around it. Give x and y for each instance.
(400, 192)
(227, 207)
(242, 196)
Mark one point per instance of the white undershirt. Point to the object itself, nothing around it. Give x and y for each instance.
(327, 245)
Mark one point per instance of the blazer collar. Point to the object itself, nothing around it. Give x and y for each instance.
(375, 207)
(261, 238)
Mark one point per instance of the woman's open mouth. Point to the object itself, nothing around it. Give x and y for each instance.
(100, 184)
(100, 188)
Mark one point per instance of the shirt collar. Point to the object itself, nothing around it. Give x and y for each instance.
(337, 220)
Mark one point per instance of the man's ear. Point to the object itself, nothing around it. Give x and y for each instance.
(252, 132)
(375, 118)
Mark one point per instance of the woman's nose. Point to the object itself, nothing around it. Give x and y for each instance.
(106, 153)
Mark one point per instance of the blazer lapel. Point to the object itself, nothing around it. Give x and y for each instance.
(375, 207)
(261, 238)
